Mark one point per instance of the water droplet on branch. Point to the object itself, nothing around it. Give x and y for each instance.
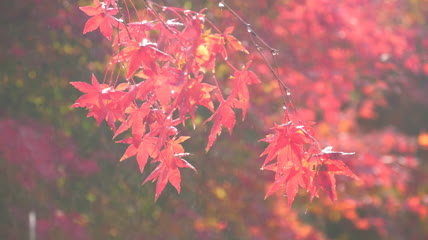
(221, 4)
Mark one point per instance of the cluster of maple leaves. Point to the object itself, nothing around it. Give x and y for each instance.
(168, 57)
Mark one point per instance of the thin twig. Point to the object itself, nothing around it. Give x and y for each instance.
(255, 38)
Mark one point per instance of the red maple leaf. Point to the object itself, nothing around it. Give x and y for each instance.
(135, 120)
(240, 88)
(238, 98)
(194, 93)
(327, 165)
(144, 53)
(142, 147)
(232, 42)
(141, 144)
(101, 100)
(133, 31)
(207, 50)
(166, 82)
(286, 144)
(287, 178)
(171, 160)
(102, 16)
(224, 116)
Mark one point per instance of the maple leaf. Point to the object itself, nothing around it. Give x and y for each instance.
(194, 93)
(101, 100)
(101, 17)
(287, 178)
(166, 82)
(232, 42)
(211, 45)
(224, 116)
(193, 28)
(142, 147)
(142, 144)
(189, 48)
(286, 145)
(142, 53)
(135, 120)
(289, 137)
(240, 88)
(327, 165)
(171, 160)
(133, 31)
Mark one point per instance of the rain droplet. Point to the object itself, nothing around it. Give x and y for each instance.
(288, 93)
(221, 4)
(275, 52)
(284, 107)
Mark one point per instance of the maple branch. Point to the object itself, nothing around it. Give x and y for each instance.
(154, 135)
(254, 37)
(149, 5)
(274, 52)
(135, 9)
